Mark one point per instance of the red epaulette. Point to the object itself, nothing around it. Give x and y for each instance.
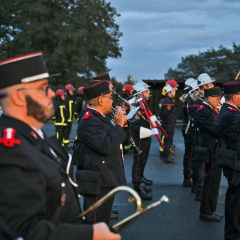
(87, 115)
(86, 107)
(201, 107)
(8, 139)
(232, 109)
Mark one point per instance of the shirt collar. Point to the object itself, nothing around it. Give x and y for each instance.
(39, 132)
(97, 111)
(233, 105)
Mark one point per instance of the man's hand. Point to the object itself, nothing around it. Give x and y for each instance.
(120, 118)
(102, 232)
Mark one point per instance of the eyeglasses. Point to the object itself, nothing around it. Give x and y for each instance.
(111, 98)
(44, 88)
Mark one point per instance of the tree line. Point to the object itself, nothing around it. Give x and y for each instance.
(75, 36)
(223, 64)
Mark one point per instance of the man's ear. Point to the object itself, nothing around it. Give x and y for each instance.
(100, 102)
(234, 98)
(18, 98)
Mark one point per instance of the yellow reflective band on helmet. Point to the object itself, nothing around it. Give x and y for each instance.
(163, 91)
(66, 141)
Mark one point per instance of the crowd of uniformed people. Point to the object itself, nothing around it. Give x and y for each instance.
(46, 187)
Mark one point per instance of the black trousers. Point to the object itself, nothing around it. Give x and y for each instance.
(167, 142)
(60, 131)
(198, 175)
(231, 205)
(103, 212)
(67, 133)
(210, 188)
(189, 142)
(139, 161)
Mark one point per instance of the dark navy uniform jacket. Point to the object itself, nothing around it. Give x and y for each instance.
(206, 120)
(228, 121)
(100, 141)
(32, 200)
(168, 111)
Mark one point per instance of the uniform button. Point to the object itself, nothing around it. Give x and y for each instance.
(103, 162)
(63, 184)
(84, 218)
(79, 195)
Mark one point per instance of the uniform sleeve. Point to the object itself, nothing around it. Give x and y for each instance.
(229, 127)
(94, 136)
(205, 119)
(164, 111)
(23, 207)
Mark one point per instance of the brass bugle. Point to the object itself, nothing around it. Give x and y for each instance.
(129, 220)
(118, 227)
(134, 194)
(129, 105)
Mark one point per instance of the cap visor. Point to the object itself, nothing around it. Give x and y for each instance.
(108, 92)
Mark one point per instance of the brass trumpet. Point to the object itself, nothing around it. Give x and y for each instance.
(118, 227)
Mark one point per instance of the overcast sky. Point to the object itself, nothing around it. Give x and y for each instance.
(157, 33)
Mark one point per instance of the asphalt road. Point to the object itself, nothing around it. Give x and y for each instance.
(178, 219)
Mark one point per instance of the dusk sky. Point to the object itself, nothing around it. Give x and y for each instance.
(157, 33)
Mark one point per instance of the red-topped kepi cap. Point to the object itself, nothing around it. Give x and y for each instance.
(23, 69)
(101, 78)
(231, 87)
(96, 90)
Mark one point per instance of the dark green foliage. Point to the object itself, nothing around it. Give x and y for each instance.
(222, 64)
(75, 36)
(118, 86)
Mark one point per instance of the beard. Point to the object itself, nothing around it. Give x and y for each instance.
(37, 111)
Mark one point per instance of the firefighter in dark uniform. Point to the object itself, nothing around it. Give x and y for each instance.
(42, 202)
(60, 117)
(100, 141)
(198, 168)
(206, 120)
(140, 160)
(228, 121)
(78, 154)
(188, 135)
(79, 103)
(69, 103)
(167, 114)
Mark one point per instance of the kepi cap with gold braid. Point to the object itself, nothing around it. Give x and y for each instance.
(23, 69)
